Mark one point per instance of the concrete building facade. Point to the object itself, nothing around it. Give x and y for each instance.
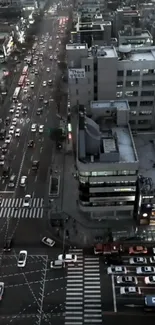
(109, 73)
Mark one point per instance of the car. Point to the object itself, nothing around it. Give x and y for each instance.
(19, 106)
(1, 290)
(152, 260)
(56, 264)
(32, 84)
(17, 115)
(41, 128)
(57, 50)
(27, 201)
(7, 245)
(44, 83)
(116, 270)
(50, 47)
(51, 57)
(11, 110)
(27, 82)
(2, 157)
(23, 181)
(149, 279)
(25, 110)
(25, 89)
(34, 63)
(57, 37)
(12, 181)
(30, 144)
(48, 69)
(4, 148)
(50, 82)
(8, 138)
(126, 280)
(67, 258)
(130, 291)
(137, 250)
(36, 71)
(6, 171)
(14, 121)
(39, 111)
(48, 241)
(35, 165)
(17, 133)
(41, 97)
(7, 121)
(55, 57)
(12, 129)
(145, 270)
(22, 258)
(34, 128)
(137, 260)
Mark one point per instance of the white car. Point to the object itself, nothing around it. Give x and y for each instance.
(116, 270)
(35, 62)
(145, 270)
(25, 89)
(23, 181)
(153, 250)
(22, 258)
(44, 83)
(12, 129)
(8, 138)
(51, 57)
(27, 201)
(55, 57)
(41, 128)
(48, 69)
(130, 291)
(137, 260)
(17, 133)
(19, 106)
(149, 279)
(152, 260)
(48, 241)
(34, 128)
(67, 258)
(50, 47)
(57, 37)
(14, 121)
(11, 110)
(1, 290)
(17, 114)
(32, 84)
(126, 280)
(2, 157)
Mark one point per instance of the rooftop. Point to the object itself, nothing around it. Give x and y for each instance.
(105, 137)
(135, 33)
(76, 46)
(104, 51)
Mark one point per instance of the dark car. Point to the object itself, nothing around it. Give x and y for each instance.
(25, 110)
(39, 111)
(4, 148)
(6, 172)
(2, 134)
(35, 165)
(113, 260)
(7, 245)
(30, 144)
(7, 121)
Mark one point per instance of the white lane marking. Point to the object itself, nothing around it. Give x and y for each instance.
(114, 294)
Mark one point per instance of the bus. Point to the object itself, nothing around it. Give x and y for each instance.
(16, 93)
(25, 70)
(21, 81)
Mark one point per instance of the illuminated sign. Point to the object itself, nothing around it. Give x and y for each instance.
(76, 73)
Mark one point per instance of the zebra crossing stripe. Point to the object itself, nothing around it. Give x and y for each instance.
(13, 208)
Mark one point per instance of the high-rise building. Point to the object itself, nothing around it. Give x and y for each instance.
(109, 73)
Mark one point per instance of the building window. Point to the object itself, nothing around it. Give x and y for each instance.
(132, 122)
(119, 94)
(145, 113)
(133, 72)
(132, 83)
(131, 93)
(148, 71)
(147, 83)
(146, 103)
(133, 104)
(87, 68)
(120, 84)
(147, 93)
(77, 91)
(142, 122)
(120, 73)
(145, 71)
(76, 80)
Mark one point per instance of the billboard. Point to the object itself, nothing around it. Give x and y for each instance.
(76, 73)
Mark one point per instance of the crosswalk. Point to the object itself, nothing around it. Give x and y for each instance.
(13, 208)
(83, 292)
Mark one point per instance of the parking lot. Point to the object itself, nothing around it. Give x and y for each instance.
(130, 302)
(32, 292)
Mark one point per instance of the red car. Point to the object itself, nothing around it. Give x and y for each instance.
(107, 249)
(137, 250)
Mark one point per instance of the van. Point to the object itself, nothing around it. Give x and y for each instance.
(56, 264)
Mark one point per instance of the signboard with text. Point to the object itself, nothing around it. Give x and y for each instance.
(76, 73)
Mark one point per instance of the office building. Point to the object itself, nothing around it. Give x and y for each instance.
(126, 16)
(135, 36)
(108, 73)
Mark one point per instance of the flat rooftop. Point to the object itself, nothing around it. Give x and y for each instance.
(143, 34)
(120, 104)
(76, 46)
(147, 56)
(145, 146)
